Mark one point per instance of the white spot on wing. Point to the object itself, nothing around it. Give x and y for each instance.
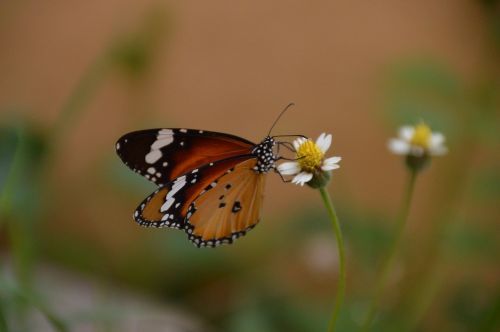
(161, 142)
(179, 183)
(183, 130)
(167, 204)
(151, 170)
(163, 138)
(118, 146)
(153, 156)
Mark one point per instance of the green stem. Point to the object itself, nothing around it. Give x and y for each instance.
(13, 174)
(3, 318)
(340, 245)
(391, 254)
(18, 230)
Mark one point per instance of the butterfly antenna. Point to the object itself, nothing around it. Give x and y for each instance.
(279, 117)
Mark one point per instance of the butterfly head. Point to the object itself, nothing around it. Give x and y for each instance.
(264, 152)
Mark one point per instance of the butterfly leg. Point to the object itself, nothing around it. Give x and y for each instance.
(287, 145)
(291, 136)
(281, 176)
(289, 159)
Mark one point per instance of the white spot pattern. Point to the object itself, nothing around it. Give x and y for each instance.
(153, 156)
(179, 183)
(163, 138)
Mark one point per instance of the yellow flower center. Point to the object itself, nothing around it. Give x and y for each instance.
(309, 156)
(421, 136)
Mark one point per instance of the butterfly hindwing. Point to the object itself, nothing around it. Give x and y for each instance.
(168, 205)
(227, 208)
(162, 155)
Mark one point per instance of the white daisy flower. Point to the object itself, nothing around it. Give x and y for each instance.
(418, 141)
(310, 159)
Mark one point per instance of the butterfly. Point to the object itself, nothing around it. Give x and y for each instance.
(210, 184)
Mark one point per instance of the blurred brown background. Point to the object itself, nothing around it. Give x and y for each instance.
(74, 76)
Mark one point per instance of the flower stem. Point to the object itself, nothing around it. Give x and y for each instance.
(391, 254)
(340, 245)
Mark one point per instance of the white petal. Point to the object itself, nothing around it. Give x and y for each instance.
(302, 178)
(289, 168)
(298, 142)
(324, 141)
(330, 167)
(398, 146)
(332, 160)
(437, 139)
(438, 150)
(330, 163)
(406, 132)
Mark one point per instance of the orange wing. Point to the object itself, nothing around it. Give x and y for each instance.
(227, 208)
(168, 205)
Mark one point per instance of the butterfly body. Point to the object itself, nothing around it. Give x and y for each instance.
(264, 153)
(210, 184)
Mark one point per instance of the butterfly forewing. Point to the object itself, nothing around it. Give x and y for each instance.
(227, 208)
(168, 205)
(162, 155)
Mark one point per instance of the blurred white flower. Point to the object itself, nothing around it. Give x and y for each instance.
(310, 159)
(418, 141)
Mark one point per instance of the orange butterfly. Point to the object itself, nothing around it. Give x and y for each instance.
(210, 184)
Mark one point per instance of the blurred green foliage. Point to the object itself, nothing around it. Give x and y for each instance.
(133, 54)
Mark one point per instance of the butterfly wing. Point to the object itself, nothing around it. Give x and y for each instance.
(162, 155)
(168, 205)
(227, 208)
